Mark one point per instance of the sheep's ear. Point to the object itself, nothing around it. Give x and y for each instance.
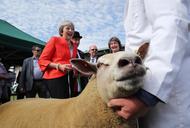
(143, 49)
(83, 66)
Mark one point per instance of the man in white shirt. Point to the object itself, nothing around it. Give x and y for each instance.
(166, 25)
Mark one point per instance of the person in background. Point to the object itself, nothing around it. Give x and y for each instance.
(77, 80)
(76, 39)
(19, 90)
(55, 61)
(165, 94)
(3, 77)
(4, 92)
(30, 79)
(93, 53)
(114, 44)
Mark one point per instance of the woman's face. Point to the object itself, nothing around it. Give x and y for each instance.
(68, 31)
(114, 46)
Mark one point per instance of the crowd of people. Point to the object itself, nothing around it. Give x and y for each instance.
(48, 72)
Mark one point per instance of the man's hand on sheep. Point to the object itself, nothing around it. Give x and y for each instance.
(128, 107)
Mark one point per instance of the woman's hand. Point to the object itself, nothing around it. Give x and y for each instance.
(65, 67)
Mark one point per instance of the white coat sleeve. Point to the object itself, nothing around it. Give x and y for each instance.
(165, 25)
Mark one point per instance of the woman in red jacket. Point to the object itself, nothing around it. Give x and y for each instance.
(55, 61)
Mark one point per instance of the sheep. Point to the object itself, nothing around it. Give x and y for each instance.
(115, 75)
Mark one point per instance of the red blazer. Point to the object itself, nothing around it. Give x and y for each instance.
(57, 51)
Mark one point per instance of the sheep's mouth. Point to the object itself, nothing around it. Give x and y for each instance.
(133, 75)
(129, 77)
(130, 81)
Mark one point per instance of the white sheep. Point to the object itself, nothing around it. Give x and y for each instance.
(116, 75)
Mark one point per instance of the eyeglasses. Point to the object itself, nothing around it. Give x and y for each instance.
(93, 49)
(38, 50)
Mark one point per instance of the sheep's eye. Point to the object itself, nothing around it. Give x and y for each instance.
(101, 64)
(138, 60)
(123, 62)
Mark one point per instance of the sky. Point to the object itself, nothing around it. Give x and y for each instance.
(96, 20)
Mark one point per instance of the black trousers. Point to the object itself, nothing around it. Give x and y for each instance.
(58, 87)
(5, 92)
(39, 88)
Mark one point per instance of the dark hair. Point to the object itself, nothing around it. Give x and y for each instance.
(114, 38)
(35, 46)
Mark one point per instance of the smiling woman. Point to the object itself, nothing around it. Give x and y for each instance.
(55, 61)
(114, 44)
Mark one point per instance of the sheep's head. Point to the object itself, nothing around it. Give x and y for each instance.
(118, 74)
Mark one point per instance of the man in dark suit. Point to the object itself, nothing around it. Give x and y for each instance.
(31, 76)
(93, 53)
(77, 80)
